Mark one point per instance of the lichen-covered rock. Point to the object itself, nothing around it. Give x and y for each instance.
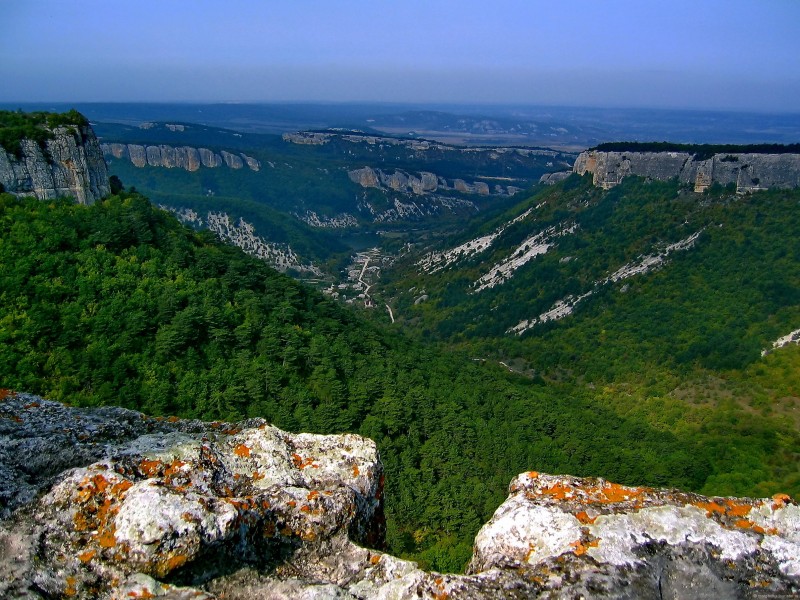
(651, 538)
(168, 497)
(109, 503)
(71, 165)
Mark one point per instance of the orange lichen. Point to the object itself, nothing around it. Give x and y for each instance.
(5, 393)
(584, 518)
(176, 561)
(736, 509)
(374, 559)
(292, 503)
(710, 507)
(142, 594)
(174, 469)
(71, 589)
(242, 450)
(780, 500)
(613, 492)
(232, 431)
(106, 538)
(257, 475)
(149, 468)
(559, 491)
(305, 508)
(355, 471)
(580, 548)
(85, 557)
(312, 494)
(32, 405)
(302, 463)
(173, 419)
(119, 489)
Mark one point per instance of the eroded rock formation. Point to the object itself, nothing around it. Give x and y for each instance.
(110, 503)
(748, 172)
(70, 164)
(420, 184)
(180, 157)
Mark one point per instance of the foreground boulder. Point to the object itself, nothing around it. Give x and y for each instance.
(110, 503)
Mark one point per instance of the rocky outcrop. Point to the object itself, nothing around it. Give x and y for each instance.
(553, 178)
(180, 157)
(109, 503)
(748, 172)
(70, 164)
(279, 256)
(420, 184)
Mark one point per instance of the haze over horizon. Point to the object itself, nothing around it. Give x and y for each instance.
(732, 55)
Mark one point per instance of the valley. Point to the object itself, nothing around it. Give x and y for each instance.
(615, 331)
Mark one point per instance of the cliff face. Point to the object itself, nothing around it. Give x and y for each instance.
(748, 172)
(71, 164)
(180, 157)
(425, 183)
(108, 503)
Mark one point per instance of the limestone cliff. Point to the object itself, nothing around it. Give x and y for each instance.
(69, 163)
(747, 171)
(422, 183)
(180, 157)
(109, 503)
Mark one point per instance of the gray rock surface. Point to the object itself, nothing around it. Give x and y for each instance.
(748, 172)
(71, 165)
(181, 157)
(109, 503)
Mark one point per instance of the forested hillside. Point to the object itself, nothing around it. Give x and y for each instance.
(651, 299)
(117, 303)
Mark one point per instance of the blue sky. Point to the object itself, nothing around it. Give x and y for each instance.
(732, 54)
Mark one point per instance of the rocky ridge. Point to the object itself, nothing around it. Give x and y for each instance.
(242, 234)
(181, 157)
(422, 183)
(70, 164)
(747, 171)
(109, 503)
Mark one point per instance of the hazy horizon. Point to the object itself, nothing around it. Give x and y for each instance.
(732, 56)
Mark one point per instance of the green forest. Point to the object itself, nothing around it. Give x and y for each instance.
(700, 151)
(119, 304)
(37, 126)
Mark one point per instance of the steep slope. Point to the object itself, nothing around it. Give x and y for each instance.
(575, 253)
(649, 298)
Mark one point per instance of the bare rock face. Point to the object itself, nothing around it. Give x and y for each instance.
(182, 157)
(138, 155)
(232, 160)
(748, 172)
(71, 164)
(109, 503)
(209, 158)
